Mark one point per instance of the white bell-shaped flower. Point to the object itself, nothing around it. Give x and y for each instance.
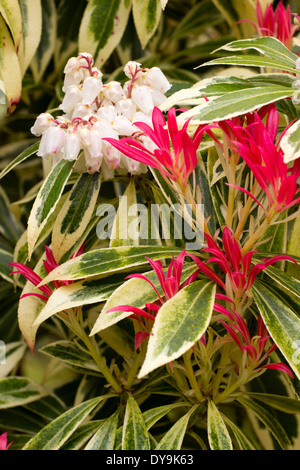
(108, 113)
(123, 126)
(156, 79)
(142, 97)
(126, 107)
(72, 145)
(72, 96)
(131, 69)
(90, 89)
(113, 91)
(42, 123)
(51, 142)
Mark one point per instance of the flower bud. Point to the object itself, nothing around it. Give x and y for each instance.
(131, 68)
(72, 97)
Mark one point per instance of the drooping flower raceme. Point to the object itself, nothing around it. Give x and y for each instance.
(93, 110)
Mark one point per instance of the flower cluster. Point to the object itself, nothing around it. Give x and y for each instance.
(94, 110)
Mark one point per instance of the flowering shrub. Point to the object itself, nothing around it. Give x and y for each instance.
(150, 273)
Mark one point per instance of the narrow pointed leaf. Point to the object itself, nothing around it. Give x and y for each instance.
(106, 261)
(173, 438)
(179, 323)
(290, 142)
(46, 201)
(17, 391)
(252, 61)
(241, 438)
(10, 73)
(279, 402)
(75, 214)
(105, 436)
(236, 103)
(134, 292)
(46, 45)
(285, 280)
(271, 422)
(20, 158)
(218, 435)
(134, 435)
(153, 415)
(282, 323)
(102, 27)
(76, 295)
(31, 11)
(10, 10)
(81, 436)
(125, 217)
(267, 45)
(146, 17)
(55, 434)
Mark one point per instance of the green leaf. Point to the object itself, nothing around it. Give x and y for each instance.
(267, 45)
(218, 435)
(46, 201)
(286, 281)
(106, 261)
(271, 423)
(5, 270)
(153, 415)
(31, 11)
(105, 436)
(11, 13)
(236, 103)
(241, 438)
(102, 27)
(80, 437)
(281, 322)
(55, 434)
(135, 292)
(146, 16)
(252, 61)
(75, 214)
(179, 323)
(76, 295)
(20, 158)
(73, 356)
(279, 402)
(13, 353)
(17, 391)
(173, 438)
(134, 435)
(46, 45)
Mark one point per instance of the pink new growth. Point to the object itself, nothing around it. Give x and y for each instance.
(3, 442)
(174, 154)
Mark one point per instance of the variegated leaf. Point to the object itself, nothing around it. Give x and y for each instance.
(135, 292)
(46, 45)
(282, 323)
(106, 261)
(102, 27)
(75, 214)
(105, 436)
(135, 435)
(218, 435)
(290, 142)
(20, 158)
(54, 435)
(46, 201)
(31, 11)
(122, 234)
(173, 438)
(75, 295)
(13, 354)
(10, 72)
(179, 323)
(146, 16)
(10, 10)
(18, 391)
